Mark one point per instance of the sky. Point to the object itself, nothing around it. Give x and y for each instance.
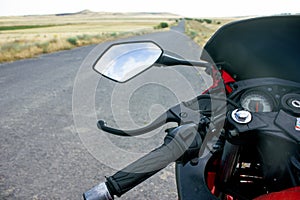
(187, 8)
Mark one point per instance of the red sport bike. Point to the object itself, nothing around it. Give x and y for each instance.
(248, 120)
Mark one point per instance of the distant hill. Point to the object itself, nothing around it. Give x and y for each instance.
(83, 12)
(124, 14)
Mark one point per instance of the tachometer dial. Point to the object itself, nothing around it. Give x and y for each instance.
(257, 101)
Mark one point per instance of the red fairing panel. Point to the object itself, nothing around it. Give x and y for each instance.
(227, 79)
(289, 194)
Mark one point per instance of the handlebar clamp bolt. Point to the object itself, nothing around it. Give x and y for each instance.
(183, 115)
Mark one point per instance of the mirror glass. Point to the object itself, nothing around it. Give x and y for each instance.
(121, 62)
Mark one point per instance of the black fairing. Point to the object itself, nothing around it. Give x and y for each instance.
(258, 47)
(191, 180)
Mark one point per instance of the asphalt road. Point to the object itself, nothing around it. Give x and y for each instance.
(49, 145)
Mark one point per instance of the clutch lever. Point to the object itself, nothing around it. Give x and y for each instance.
(181, 114)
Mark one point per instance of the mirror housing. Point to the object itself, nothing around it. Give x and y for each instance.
(123, 61)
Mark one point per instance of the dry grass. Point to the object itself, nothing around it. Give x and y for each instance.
(200, 30)
(28, 36)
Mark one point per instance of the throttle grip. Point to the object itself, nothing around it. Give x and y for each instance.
(175, 145)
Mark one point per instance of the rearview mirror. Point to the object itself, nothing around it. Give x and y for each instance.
(121, 62)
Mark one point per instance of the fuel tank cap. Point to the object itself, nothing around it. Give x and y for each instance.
(241, 116)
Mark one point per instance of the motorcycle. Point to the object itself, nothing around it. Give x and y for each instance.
(240, 138)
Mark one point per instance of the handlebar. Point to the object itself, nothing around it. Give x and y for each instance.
(183, 142)
(176, 143)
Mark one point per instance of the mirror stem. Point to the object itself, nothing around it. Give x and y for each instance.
(171, 61)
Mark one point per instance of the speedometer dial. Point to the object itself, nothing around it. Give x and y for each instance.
(257, 101)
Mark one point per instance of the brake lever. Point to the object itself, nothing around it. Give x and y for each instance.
(181, 114)
(161, 120)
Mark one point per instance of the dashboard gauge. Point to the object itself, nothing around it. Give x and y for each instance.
(257, 101)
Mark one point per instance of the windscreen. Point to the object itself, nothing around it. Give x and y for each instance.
(258, 47)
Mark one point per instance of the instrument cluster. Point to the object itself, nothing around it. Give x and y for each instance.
(257, 101)
(270, 98)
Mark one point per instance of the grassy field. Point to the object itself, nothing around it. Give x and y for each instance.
(27, 36)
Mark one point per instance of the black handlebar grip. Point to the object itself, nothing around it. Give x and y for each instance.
(175, 144)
